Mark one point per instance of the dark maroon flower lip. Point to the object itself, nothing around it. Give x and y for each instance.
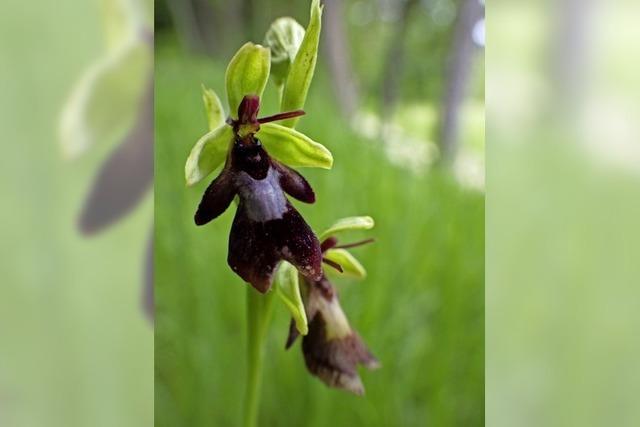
(266, 228)
(332, 349)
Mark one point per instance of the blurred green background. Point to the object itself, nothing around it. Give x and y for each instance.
(421, 309)
(76, 348)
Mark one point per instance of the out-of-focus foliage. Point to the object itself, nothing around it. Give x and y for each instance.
(562, 218)
(76, 348)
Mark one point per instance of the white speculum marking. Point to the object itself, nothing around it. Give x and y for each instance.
(263, 199)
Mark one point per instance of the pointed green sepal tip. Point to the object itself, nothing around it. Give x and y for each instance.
(209, 152)
(247, 74)
(287, 286)
(213, 108)
(350, 265)
(303, 67)
(294, 148)
(347, 224)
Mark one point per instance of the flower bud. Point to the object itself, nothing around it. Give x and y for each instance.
(283, 38)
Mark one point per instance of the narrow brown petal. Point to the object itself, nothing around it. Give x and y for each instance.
(293, 335)
(293, 183)
(216, 199)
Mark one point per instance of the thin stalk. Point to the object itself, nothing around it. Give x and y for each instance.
(259, 309)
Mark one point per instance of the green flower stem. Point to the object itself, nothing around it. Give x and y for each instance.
(259, 310)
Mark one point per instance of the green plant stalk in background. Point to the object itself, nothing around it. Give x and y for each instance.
(259, 313)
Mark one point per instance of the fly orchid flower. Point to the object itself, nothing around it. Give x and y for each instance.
(332, 349)
(266, 229)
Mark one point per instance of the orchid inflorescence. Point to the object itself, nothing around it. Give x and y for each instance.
(270, 243)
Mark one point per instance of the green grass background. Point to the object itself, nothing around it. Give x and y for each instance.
(421, 309)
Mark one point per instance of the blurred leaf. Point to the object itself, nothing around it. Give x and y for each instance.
(125, 177)
(350, 265)
(294, 148)
(283, 38)
(105, 100)
(303, 67)
(209, 152)
(117, 22)
(247, 74)
(349, 223)
(288, 289)
(213, 107)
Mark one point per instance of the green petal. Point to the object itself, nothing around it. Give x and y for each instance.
(303, 67)
(106, 100)
(349, 223)
(284, 38)
(247, 74)
(213, 107)
(294, 148)
(288, 289)
(208, 153)
(350, 265)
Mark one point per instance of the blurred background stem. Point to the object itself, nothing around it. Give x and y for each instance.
(259, 309)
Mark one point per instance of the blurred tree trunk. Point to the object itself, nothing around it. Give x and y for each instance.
(569, 58)
(248, 19)
(457, 78)
(208, 22)
(201, 26)
(395, 61)
(186, 24)
(339, 59)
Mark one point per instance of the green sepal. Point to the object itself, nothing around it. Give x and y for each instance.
(294, 148)
(209, 152)
(287, 287)
(303, 67)
(284, 38)
(350, 265)
(347, 224)
(213, 108)
(247, 74)
(106, 99)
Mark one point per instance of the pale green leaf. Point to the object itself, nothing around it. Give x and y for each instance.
(350, 265)
(213, 108)
(288, 288)
(303, 67)
(118, 22)
(349, 223)
(294, 148)
(284, 38)
(123, 19)
(106, 99)
(247, 74)
(209, 152)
